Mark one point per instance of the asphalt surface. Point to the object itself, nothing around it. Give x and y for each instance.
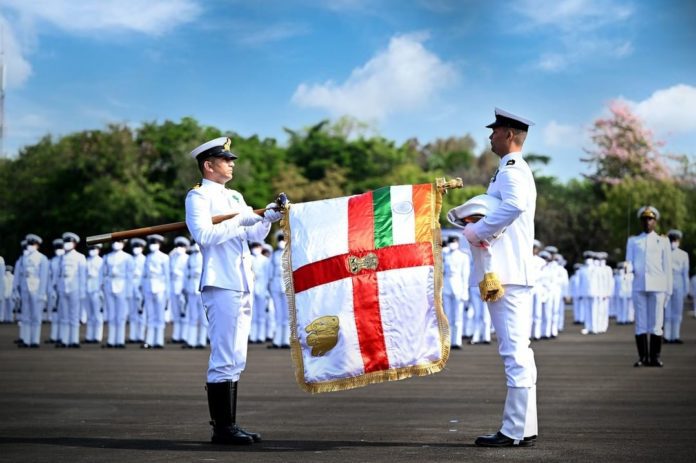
(132, 405)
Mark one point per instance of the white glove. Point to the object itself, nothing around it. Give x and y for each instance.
(271, 215)
(248, 218)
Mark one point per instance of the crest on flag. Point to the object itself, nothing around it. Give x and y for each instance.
(363, 276)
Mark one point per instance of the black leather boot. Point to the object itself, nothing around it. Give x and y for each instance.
(642, 345)
(222, 404)
(254, 435)
(655, 349)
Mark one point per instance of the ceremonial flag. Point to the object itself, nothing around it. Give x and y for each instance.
(364, 277)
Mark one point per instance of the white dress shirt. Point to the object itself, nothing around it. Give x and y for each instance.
(651, 258)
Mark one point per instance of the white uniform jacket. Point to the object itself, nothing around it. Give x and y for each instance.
(34, 275)
(137, 276)
(72, 274)
(94, 274)
(680, 271)
(224, 246)
(177, 267)
(651, 258)
(457, 265)
(117, 272)
(194, 269)
(513, 183)
(277, 281)
(156, 274)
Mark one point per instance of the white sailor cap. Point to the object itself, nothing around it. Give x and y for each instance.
(506, 119)
(601, 255)
(588, 254)
(475, 208)
(70, 236)
(675, 234)
(194, 247)
(546, 255)
(551, 249)
(267, 247)
(137, 243)
(648, 212)
(33, 239)
(280, 236)
(95, 246)
(23, 243)
(181, 241)
(155, 238)
(538, 244)
(219, 147)
(57, 243)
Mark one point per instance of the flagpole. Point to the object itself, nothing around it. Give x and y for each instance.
(443, 185)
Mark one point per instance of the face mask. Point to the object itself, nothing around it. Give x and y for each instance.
(59, 252)
(117, 246)
(153, 247)
(137, 251)
(453, 245)
(281, 244)
(94, 252)
(675, 244)
(25, 251)
(33, 247)
(69, 246)
(256, 251)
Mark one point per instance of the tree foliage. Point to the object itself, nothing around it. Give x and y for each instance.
(118, 178)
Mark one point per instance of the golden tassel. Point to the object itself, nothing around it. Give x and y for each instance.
(491, 288)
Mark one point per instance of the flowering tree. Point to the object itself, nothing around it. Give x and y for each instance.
(624, 149)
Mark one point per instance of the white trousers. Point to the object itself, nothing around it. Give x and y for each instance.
(511, 317)
(258, 331)
(95, 317)
(454, 308)
(482, 318)
(229, 323)
(650, 311)
(674, 310)
(282, 319)
(198, 323)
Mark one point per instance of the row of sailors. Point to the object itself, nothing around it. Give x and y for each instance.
(468, 313)
(597, 293)
(145, 290)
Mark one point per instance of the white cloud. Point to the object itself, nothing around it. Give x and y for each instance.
(22, 22)
(582, 30)
(557, 135)
(17, 68)
(153, 17)
(403, 77)
(671, 110)
(255, 35)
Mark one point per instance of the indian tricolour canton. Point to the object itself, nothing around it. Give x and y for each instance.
(363, 280)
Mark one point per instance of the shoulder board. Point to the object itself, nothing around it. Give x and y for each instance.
(511, 162)
(196, 186)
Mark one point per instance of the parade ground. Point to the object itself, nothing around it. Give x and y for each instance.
(133, 405)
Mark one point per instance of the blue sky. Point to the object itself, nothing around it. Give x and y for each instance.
(425, 69)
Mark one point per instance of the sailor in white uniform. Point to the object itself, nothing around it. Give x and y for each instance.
(53, 269)
(72, 291)
(455, 290)
(177, 298)
(509, 231)
(156, 289)
(650, 257)
(674, 310)
(227, 281)
(33, 281)
(281, 337)
(136, 316)
(197, 335)
(117, 272)
(95, 296)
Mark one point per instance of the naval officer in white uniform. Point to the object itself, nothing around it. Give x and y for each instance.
(651, 258)
(512, 258)
(227, 284)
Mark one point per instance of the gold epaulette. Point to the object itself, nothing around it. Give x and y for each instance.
(196, 186)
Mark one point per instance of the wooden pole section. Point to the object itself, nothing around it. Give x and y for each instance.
(165, 228)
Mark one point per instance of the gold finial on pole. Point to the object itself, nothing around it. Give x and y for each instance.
(443, 184)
